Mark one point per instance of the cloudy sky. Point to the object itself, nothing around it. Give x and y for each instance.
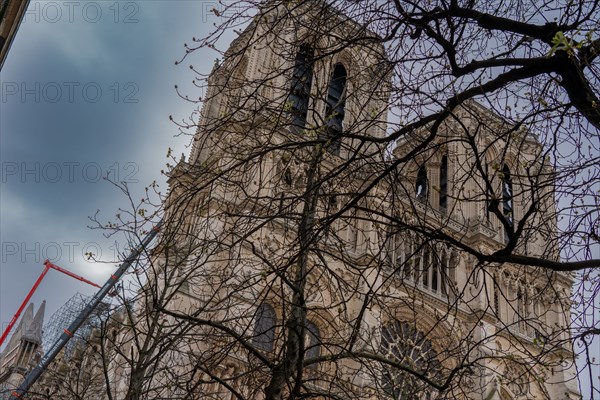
(87, 90)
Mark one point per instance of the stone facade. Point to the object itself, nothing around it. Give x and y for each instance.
(278, 187)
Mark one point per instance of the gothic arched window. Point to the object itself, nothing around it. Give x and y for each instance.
(421, 184)
(336, 94)
(401, 342)
(435, 270)
(264, 327)
(301, 83)
(507, 198)
(312, 341)
(444, 183)
(496, 300)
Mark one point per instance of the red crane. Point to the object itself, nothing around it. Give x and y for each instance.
(47, 265)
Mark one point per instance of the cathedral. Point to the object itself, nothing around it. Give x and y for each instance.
(312, 248)
(323, 254)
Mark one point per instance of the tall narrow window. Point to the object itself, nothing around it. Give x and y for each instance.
(412, 265)
(435, 273)
(444, 274)
(444, 184)
(507, 199)
(264, 327)
(398, 259)
(520, 317)
(426, 261)
(301, 83)
(496, 301)
(397, 254)
(312, 342)
(335, 108)
(488, 195)
(421, 184)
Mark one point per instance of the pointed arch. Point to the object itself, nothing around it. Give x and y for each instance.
(264, 327)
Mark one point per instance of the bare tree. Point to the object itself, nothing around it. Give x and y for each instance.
(383, 200)
(490, 179)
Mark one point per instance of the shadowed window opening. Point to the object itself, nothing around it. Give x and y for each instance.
(444, 184)
(312, 342)
(488, 194)
(301, 83)
(264, 328)
(496, 301)
(421, 184)
(507, 199)
(336, 94)
(287, 177)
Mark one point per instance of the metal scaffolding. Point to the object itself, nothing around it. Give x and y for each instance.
(65, 315)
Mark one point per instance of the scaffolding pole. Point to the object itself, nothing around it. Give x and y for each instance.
(69, 332)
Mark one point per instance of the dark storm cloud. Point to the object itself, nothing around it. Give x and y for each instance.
(85, 95)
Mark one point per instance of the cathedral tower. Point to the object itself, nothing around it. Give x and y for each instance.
(320, 254)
